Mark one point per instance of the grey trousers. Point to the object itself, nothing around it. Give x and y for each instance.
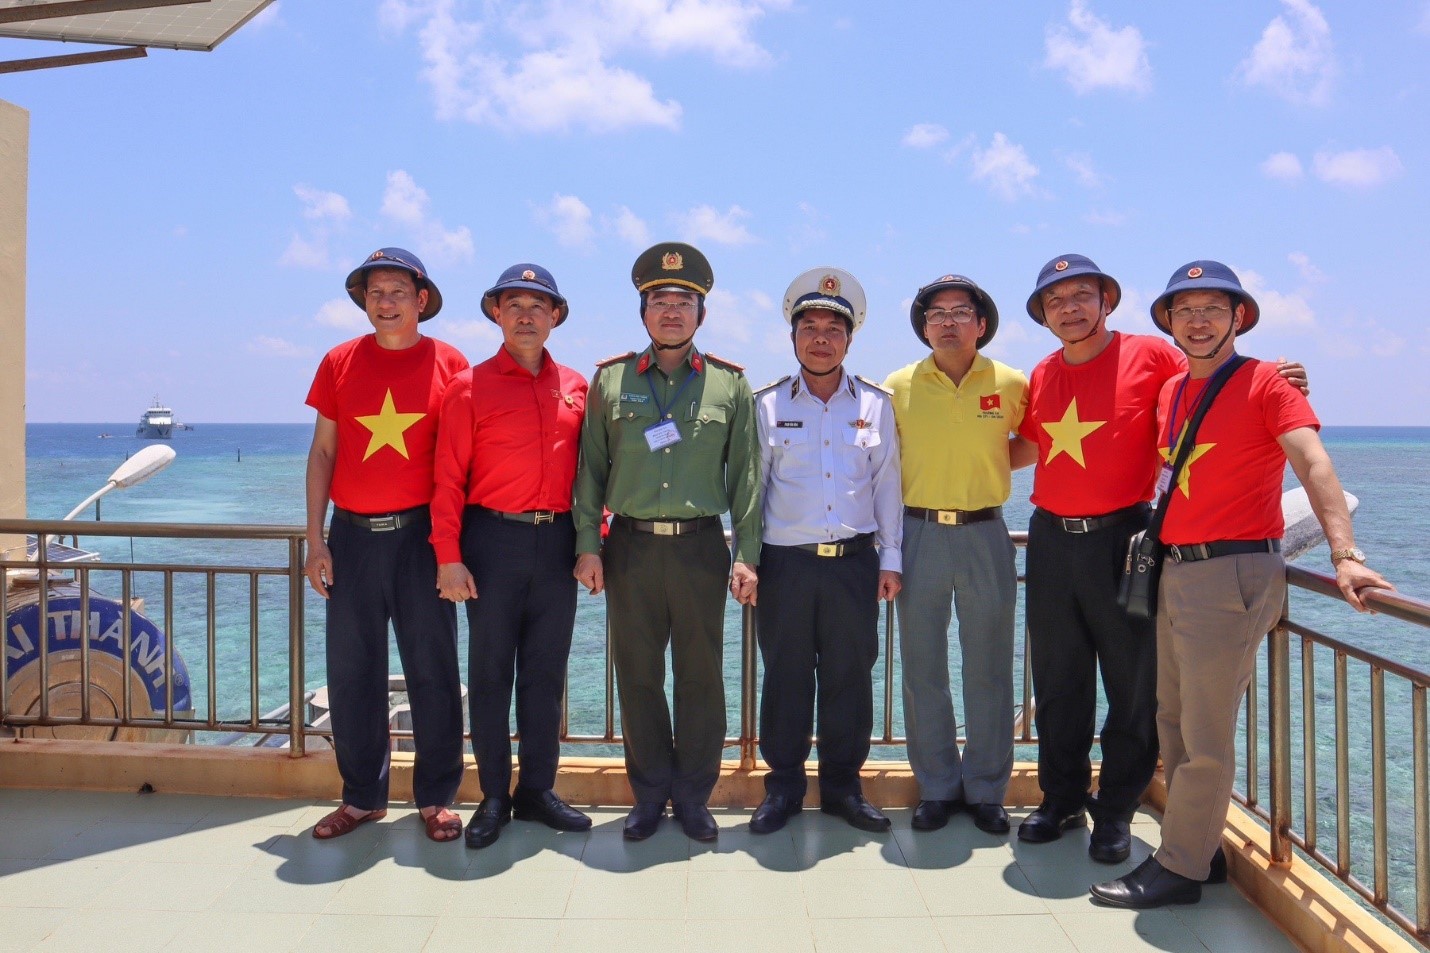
(968, 570)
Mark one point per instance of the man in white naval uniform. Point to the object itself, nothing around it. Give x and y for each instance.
(833, 522)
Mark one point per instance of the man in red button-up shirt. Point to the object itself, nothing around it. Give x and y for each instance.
(507, 447)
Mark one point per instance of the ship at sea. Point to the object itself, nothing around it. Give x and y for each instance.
(156, 423)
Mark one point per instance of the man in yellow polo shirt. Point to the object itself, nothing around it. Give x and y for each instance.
(958, 414)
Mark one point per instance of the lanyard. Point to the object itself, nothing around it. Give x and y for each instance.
(661, 408)
(1176, 431)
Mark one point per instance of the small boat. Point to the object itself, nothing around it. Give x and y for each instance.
(156, 423)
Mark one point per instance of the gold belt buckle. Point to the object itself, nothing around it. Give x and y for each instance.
(542, 516)
(828, 549)
(663, 529)
(948, 517)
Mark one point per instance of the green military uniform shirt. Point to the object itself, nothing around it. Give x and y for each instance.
(714, 467)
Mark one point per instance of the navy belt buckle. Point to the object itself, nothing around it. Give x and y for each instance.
(382, 524)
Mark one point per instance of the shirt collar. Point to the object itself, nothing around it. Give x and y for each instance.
(846, 385)
(507, 364)
(979, 365)
(692, 357)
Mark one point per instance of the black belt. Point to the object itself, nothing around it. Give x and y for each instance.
(1089, 524)
(529, 516)
(954, 517)
(382, 522)
(1192, 552)
(668, 527)
(840, 547)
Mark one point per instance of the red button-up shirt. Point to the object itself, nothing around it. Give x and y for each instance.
(506, 440)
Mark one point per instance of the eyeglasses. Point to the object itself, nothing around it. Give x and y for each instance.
(678, 307)
(1215, 312)
(950, 316)
(396, 297)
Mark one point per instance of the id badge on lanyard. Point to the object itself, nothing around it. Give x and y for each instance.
(664, 434)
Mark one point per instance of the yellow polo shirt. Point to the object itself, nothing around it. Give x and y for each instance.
(953, 438)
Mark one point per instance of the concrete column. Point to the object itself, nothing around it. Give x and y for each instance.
(14, 188)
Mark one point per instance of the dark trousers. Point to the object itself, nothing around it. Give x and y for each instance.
(669, 590)
(1076, 629)
(819, 637)
(382, 577)
(520, 627)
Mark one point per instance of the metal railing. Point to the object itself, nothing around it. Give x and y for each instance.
(1381, 893)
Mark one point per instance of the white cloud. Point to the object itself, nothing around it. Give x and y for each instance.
(632, 228)
(925, 135)
(405, 203)
(1108, 217)
(1303, 264)
(306, 252)
(341, 313)
(1278, 310)
(471, 331)
(322, 206)
(1092, 55)
(1005, 168)
(703, 223)
(568, 75)
(569, 219)
(1357, 168)
(1295, 57)
(734, 318)
(1081, 165)
(325, 212)
(1282, 165)
(276, 347)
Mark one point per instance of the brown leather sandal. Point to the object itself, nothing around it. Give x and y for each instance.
(442, 821)
(340, 822)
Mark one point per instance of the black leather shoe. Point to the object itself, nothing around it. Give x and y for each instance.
(772, 813)
(485, 826)
(1218, 871)
(857, 811)
(1111, 840)
(696, 821)
(1150, 885)
(642, 821)
(931, 815)
(1049, 821)
(989, 818)
(546, 807)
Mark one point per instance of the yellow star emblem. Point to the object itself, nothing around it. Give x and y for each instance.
(1067, 435)
(1184, 476)
(388, 427)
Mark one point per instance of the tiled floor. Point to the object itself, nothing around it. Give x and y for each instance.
(87, 871)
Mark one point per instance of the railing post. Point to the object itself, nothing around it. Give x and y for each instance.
(747, 689)
(1279, 715)
(297, 679)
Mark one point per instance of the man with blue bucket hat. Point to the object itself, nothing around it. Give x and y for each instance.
(377, 398)
(1223, 581)
(507, 448)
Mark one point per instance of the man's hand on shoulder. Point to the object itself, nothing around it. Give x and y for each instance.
(455, 582)
(1295, 375)
(590, 573)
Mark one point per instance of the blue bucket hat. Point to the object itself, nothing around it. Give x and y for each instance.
(526, 277)
(1204, 275)
(1070, 266)
(986, 307)
(402, 260)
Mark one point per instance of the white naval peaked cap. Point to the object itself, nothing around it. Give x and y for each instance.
(832, 288)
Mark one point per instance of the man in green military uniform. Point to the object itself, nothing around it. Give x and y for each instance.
(669, 444)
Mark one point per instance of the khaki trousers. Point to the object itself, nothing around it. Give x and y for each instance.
(1211, 618)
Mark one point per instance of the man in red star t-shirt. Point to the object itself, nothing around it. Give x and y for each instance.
(377, 398)
(1223, 579)
(507, 448)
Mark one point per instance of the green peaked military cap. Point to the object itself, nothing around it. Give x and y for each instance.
(672, 264)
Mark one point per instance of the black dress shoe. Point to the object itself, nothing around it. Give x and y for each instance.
(857, 811)
(773, 811)
(931, 815)
(1218, 871)
(1111, 840)
(546, 807)
(696, 821)
(1150, 885)
(989, 818)
(1049, 821)
(485, 826)
(642, 821)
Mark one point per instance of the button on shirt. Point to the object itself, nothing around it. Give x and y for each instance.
(831, 470)
(507, 440)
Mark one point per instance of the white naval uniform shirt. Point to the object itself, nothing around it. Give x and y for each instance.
(831, 471)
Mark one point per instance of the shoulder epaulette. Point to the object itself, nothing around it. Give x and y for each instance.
(607, 362)
(723, 362)
(760, 390)
(879, 387)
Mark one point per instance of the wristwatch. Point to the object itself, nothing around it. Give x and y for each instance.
(1353, 553)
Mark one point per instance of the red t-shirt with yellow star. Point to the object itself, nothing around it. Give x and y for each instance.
(1230, 486)
(1095, 425)
(385, 404)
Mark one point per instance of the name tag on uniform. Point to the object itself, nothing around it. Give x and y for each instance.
(1164, 481)
(635, 398)
(661, 435)
(789, 423)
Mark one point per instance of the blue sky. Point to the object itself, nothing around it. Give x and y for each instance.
(193, 215)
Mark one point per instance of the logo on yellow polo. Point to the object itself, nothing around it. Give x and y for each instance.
(1184, 478)
(1068, 435)
(388, 428)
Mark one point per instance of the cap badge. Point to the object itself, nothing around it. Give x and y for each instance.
(376, 255)
(528, 275)
(946, 278)
(1194, 272)
(829, 285)
(672, 261)
(1061, 266)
